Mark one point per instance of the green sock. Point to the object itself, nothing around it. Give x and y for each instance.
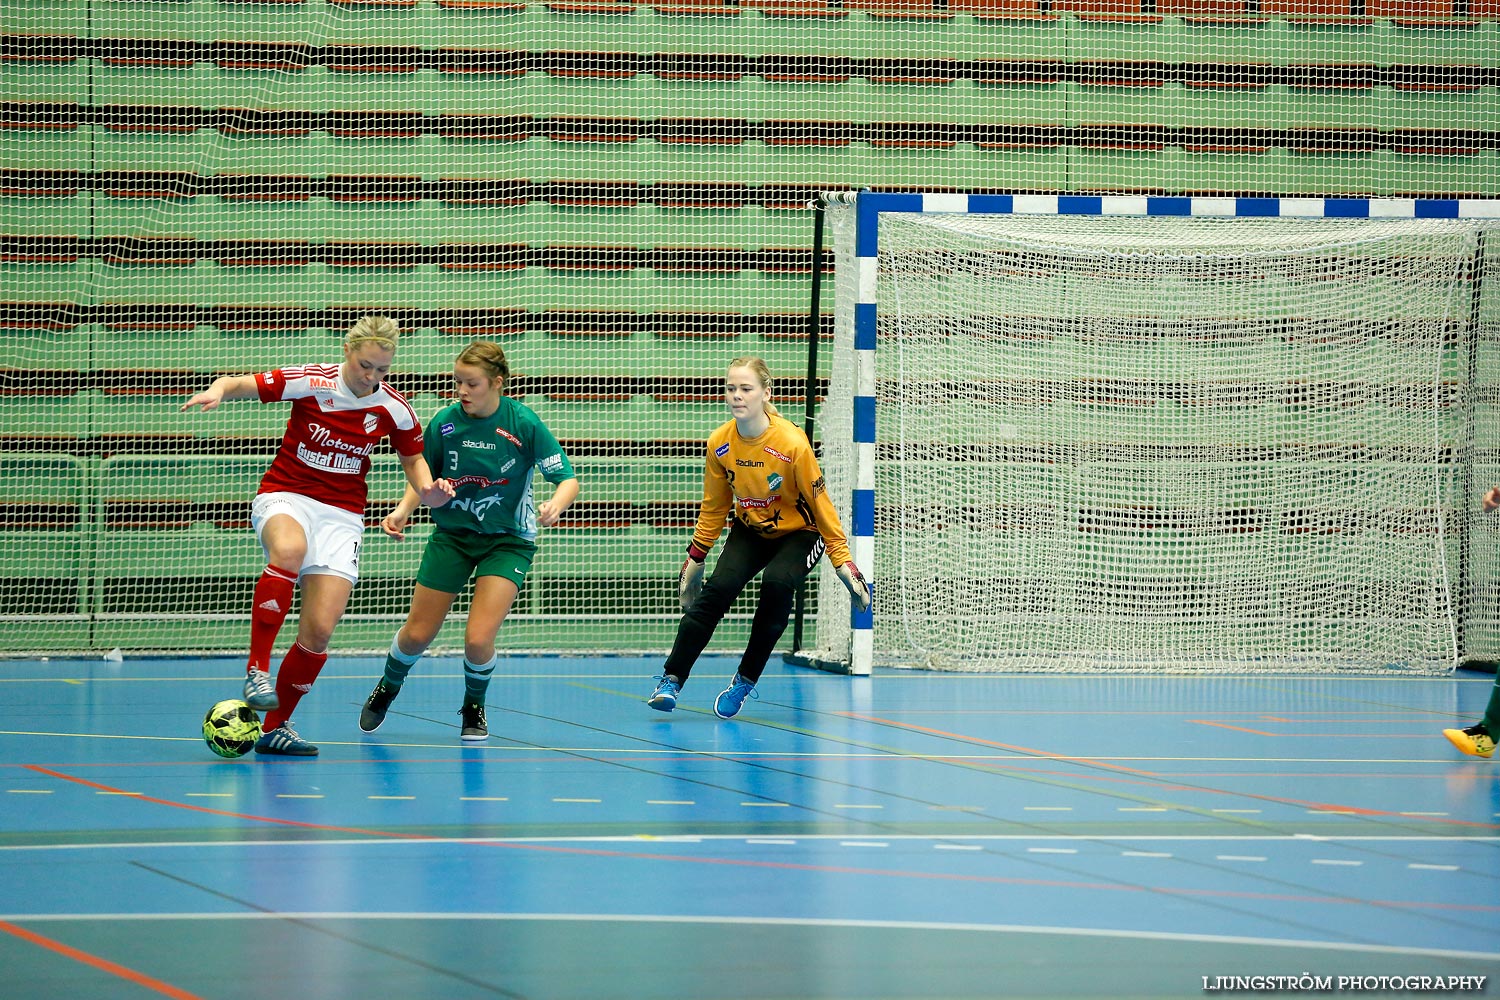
(1492, 710)
(398, 665)
(477, 679)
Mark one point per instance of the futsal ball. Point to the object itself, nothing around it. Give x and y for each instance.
(231, 728)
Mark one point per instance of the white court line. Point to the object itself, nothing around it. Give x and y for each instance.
(830, 755)
(914, 925)
(708, 837)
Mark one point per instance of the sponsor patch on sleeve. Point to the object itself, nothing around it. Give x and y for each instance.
(722, 450)
(446, 429)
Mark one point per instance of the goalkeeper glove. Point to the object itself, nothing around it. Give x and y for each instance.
(859, 590)
(690, 577)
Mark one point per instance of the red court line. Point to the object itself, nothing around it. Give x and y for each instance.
(1322, 735)
(102, 964)
(1169, 782)
(222, 812)
(601, 852)
(992, 743)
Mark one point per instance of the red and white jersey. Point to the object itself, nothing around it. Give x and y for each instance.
(325, 452)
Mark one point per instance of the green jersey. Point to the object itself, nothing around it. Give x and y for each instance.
(489, 463)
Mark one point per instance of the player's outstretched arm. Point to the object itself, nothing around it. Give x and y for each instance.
(859, 588)
(223, 388)
(1491, 499)
(394, 523)
(432, 492)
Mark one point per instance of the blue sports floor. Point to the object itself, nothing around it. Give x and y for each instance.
(910, 835)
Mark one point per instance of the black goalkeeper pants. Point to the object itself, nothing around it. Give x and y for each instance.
(786, 560)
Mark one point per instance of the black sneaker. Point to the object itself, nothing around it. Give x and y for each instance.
(474, 728)
(373, 714)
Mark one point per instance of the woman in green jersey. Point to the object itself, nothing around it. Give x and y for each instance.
(485, 446)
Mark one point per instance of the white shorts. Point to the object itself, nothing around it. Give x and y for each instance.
(333, 534)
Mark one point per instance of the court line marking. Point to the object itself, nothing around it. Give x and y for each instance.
(417, 840)
(918, 925)
(895, 674)
(890, 754)
(94, 961)
(1028, 751)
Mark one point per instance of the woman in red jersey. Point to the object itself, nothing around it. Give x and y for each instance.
(309, 511)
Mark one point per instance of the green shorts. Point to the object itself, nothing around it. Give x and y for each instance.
(451, 557)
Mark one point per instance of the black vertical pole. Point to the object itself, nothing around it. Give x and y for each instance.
(810, 392)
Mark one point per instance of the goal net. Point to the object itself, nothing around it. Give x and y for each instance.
(1163, 442)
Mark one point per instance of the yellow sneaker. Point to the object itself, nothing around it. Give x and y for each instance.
(1475, 741)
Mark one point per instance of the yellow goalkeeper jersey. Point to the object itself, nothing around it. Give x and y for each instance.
(773, 484)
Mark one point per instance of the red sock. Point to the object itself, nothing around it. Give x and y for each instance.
(269, 607)
(299, 668)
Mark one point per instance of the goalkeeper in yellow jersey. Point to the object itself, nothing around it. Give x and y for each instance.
(1479, 739)
(760, 467)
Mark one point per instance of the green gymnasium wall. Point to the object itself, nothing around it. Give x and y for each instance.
(615, 192)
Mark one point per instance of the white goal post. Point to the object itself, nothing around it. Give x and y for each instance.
(1161, 433)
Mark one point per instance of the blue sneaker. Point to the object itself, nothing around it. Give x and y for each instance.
(260, 693)
(284, 742)
(727, 705)
(664, 698)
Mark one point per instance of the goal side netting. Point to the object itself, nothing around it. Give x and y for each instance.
(1166, 443)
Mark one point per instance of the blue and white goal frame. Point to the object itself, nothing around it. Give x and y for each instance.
(870, 205)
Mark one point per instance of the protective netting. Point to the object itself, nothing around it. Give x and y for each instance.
(616, 192)
(1176, 443)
